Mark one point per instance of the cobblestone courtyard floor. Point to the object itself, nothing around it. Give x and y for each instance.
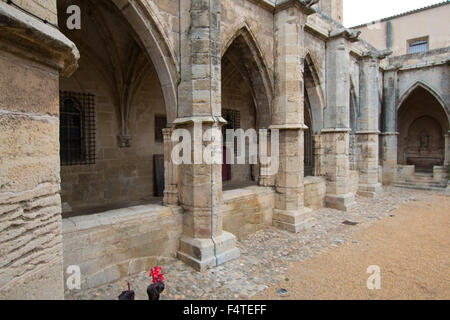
(266, 256)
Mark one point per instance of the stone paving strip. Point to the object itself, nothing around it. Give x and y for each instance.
(265, 255)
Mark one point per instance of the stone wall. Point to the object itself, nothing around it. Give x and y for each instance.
(427, 68)
(237, 14)
(315, 192)
(166, 13)
(247, 210)
(405, 173)
(120, 175)
(354, 181)
(108, 245)
(30, 220)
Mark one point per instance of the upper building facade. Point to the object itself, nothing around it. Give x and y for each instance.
(410, 32)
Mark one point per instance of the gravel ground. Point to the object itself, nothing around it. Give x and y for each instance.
(265, 256)
(411, 248)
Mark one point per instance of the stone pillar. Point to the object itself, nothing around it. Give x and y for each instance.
(204, 244)
(447, 158)
(333, 8)
(170, 170)
(288, 117)
(32, 56)
(389, 135)
(368, 122)
(336, 132)
(447, 150)
(266, 179)
(318, 156)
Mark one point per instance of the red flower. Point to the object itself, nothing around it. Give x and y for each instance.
(156, 275)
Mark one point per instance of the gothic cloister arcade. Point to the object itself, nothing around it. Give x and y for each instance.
(113, 150)
(100, 106)
(246, 100)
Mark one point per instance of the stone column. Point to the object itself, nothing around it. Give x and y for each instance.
(368, 122)
(266, 179)
(336, 132)
(318, 156)
(170, 170)
(204, 244)
(288, 117)
(32, 57)
(389, 135)
(447, 158)
(447, 150)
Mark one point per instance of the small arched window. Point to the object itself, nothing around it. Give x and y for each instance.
(77, 129)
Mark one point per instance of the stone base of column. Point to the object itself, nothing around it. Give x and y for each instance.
(170, 197)
(266, 181)
(340, 202)
(45, 283)
(293, 220)
(200, 253)
(389, 158)
(369, 191)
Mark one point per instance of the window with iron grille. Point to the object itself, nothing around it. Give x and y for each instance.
(77, 128)
(233, 118)
(160, 124)
(418, 46)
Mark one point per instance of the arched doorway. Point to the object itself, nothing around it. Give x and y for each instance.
(422, 125)
(313, 116)
(245, 102)
(122, 104)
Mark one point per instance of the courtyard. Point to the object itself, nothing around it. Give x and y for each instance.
(326, 262)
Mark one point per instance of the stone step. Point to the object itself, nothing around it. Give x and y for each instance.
(431, 183)
(435, 187)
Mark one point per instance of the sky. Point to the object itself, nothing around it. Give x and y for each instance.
(361, 11)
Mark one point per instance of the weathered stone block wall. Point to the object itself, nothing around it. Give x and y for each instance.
(405, 173)
(108, 245)
(315, 48)
(354, 181)
(237, 13)
(120, 175)
(440, 173)
(30, 220)
(333, 8)
(426, 67)
(315, 192)
(248, 210)
(166, 12)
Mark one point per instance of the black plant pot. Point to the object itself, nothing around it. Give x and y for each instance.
(155, 289)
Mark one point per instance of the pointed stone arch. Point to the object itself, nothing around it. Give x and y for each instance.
(253, 69)
(150, 29)
(430, 89)
(423, 126)
(315, 93)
